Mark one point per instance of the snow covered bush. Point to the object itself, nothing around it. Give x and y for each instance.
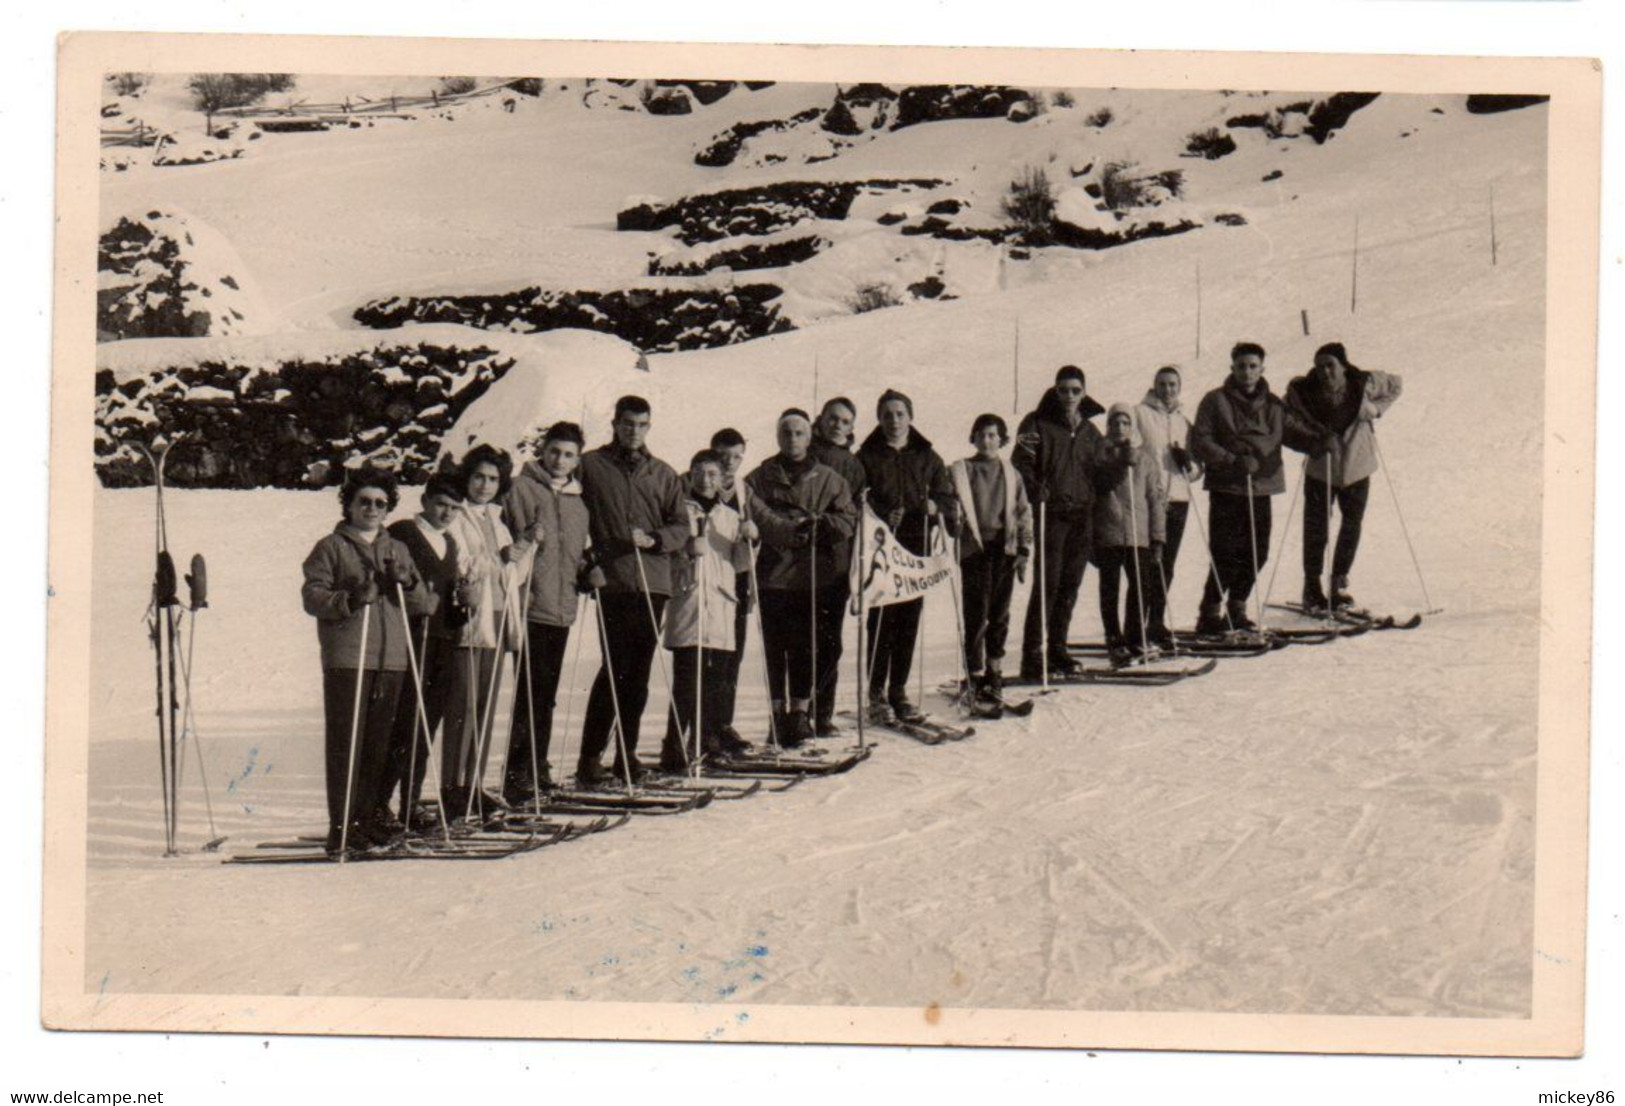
(457, 86)
(762, 209)
(197, 149)
(726, 146)
(937, 102)
(1122, 188)
(1030, 206)
(163, 274)
(1211, 144)
(872, 297)
(748, 255)
(287, 420)
(129, 84)
(1061, 98)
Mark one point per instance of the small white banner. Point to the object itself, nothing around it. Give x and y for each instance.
(884, 572)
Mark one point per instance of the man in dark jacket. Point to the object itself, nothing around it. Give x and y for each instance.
(434, 618)
(909, 487)
(635, 502)
(806, 516)
(546, 513)
(832, 446)
(1058, 456)
(1237, 436)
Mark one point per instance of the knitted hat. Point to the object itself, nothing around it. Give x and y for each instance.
(1335, 349)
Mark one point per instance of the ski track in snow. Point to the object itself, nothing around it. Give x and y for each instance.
(1338, 829)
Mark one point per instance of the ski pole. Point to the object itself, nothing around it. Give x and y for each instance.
(1403, 529)
(1043, 589)
(355, 732)
(699, 662)
(189, 726)
(1286, 531)
(1207, 546)
(421, 721)
(526, 659)
(812, 619)
(488, 712)
(761, 638)
(660, 656)
(955, 582)
(1331, 608)
(1134, 555)
(1252, 535)
(919, 630)
(614, 695)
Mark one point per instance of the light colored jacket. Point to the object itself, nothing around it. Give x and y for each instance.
(1018, 512)
(1133, 511)
(706, 581)
(479, 560)
(1367, 394)
(1162, 428)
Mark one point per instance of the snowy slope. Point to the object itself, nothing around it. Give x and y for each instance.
(1341, 829)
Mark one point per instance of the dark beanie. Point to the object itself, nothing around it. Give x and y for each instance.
(1336, 350)
(1070, 372)
(890, 394)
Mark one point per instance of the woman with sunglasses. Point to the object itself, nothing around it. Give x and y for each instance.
(351, 579)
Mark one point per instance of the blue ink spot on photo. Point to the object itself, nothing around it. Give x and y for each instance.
(757, 977)
(757, 950)
(727, 989)
(691, 974)
(610, 960)
(741, 1017)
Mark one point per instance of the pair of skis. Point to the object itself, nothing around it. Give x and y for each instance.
(1356, 618)
(927, 731)
(172, 665)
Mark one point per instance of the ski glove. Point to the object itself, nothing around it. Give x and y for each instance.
(590, 579)
(1181, 456)
(398, 572)
(364, 592)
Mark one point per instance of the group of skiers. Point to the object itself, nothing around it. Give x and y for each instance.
(413, 619)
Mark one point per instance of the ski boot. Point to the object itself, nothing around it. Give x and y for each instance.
(730, 744)
(985, 701)
(905, 711)
(824, 725)
(1063, 664)
(1314, 599)
(672, 760)
(590, 776)
(798, 730)
(1210, 622)
(879, 711)
(1238, 618)
(1342, 601)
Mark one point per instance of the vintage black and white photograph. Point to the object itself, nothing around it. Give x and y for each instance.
(785, 544)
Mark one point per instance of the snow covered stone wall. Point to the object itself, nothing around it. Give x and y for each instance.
(165, 274)
(293, 411)
(659, 319)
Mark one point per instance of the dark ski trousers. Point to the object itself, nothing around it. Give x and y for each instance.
(1174, 524)
(408, 760)
(629, 646)
(987, 577)
(1351, 502)
(544, 650)
(380, 694)
(468, 689)
(1232, 545)
(706, 670)
(829, 621)
(787, 632)
(728, 693)
(1063, 555)
(890, 647)
(1144, 591)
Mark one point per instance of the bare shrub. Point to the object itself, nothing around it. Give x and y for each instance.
(1030, 205)
(872, 297)
(457, 86)
(1061, 98)
(129, 84)
(1100, 117)
(1211, 144)
(212, 92)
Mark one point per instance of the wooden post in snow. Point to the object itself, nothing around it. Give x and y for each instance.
(815, 379)
(1494, 248)
(1198, 309)
(1015, 371)
(1354, 271)
(1303, 312)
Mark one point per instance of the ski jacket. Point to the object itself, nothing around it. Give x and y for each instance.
(626, 490)
(1230, 425)
(1017, 526)
(343, 560)
(908, 478)
(555, 565)
(435, 600)
(1163, 428)
(481, 537)
(848, 468)
(1134, 510)
(783, 495)
(711, 576)
(1058, 461)
(1366, 396)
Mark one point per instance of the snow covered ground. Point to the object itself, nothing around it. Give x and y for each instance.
(1343, 829)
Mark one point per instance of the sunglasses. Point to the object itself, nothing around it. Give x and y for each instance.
(371, 501)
